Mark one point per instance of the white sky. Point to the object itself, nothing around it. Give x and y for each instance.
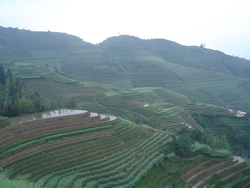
(221, 24)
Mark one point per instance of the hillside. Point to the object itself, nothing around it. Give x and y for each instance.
(192, 73)
(36, 54)
(150, 113)
(202, 74)
(50, 62)
(80, 149)
(124, 47)
(60, 49)
(76, 148)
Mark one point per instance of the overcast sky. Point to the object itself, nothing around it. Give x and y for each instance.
(221, 24)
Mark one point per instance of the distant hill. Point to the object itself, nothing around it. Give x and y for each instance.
(48, 50)
(202, 74)
(126, 46)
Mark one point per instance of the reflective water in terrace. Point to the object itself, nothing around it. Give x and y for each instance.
(45, 115)
(93, 114)
(112, 118)
(62, 112)
(57, 113)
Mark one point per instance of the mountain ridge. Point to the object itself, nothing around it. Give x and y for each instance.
(28, 44)
(190, 56)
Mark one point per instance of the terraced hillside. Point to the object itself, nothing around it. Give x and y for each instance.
(157, 107)
(202, 74)
(219, 173)
(159, 85)
(198, 172)
(81, 150)
(38, 54)
(124, 47)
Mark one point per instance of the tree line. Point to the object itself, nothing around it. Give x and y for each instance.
(196, 141)
(17, 99)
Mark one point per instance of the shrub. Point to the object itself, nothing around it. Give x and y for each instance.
(171, 155)
(200, 147)
(221, 153)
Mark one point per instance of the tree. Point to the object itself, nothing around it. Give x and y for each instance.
(27, 106)
(17, 99)
(197, 135)
(223, 144)
(183, 145)
(9, 73)
(2, 75)
(202, 45)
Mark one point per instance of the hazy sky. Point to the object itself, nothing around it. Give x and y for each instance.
(221, 24)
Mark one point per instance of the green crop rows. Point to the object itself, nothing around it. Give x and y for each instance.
(103, 155)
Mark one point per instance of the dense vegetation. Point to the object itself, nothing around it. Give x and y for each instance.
(16, 99)
(191, 142)
(236, 129)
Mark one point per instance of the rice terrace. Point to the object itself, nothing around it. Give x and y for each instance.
(81, 150)
(127, 112)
